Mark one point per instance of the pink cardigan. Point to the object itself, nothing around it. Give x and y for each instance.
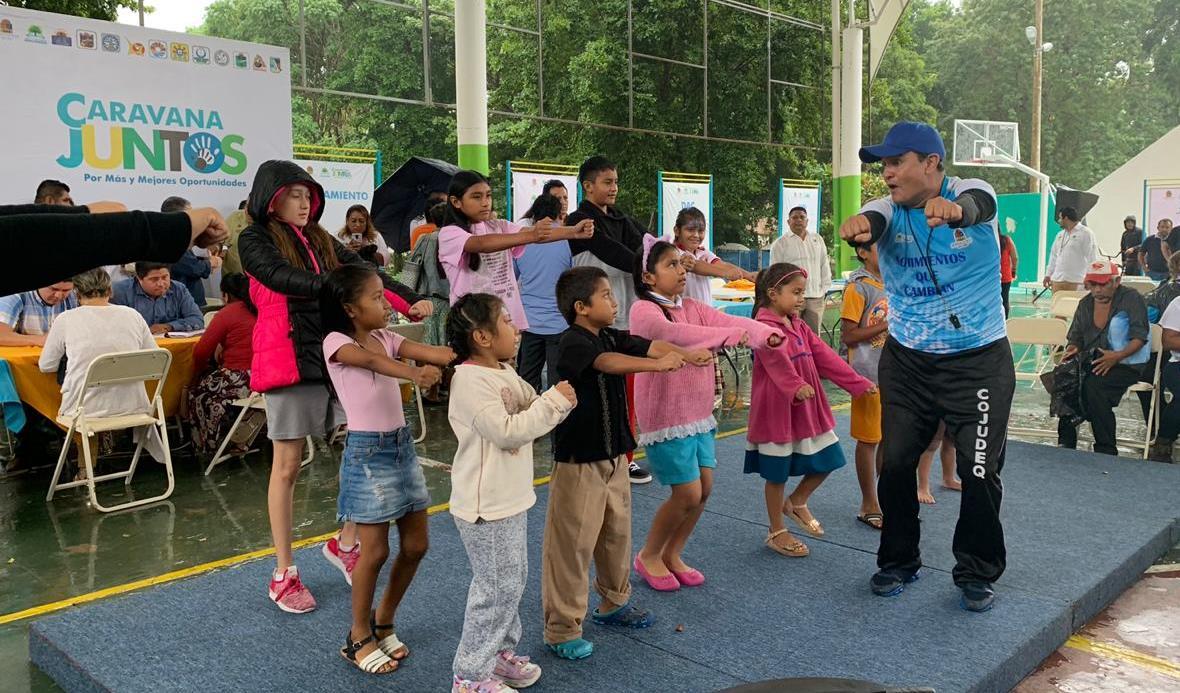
(775, 415)
(680, 404)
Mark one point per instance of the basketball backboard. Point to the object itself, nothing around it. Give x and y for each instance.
(985, 143)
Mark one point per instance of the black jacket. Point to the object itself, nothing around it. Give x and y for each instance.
(43, 244)
(617, 237)
(263, 262)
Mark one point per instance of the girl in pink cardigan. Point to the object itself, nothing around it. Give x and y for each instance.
(791, 425)
(675, 410)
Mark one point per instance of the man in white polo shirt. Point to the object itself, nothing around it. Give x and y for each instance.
(806, 250)
(1073, 251)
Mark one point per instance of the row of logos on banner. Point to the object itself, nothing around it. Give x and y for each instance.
(108, 42)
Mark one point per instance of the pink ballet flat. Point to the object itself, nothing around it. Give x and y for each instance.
(689, 578)
(667, 583)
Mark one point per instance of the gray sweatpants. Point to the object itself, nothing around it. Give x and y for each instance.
(498, 552)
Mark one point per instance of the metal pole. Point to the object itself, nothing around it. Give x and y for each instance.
(471, 83)
(1038, 55)
(141, 12)
(846, 174)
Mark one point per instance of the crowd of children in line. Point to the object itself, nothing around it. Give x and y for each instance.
(630, 305)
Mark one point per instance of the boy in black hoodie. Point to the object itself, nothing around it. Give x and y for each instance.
(617, 240)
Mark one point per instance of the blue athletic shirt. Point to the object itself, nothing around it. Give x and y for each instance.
(966, 262)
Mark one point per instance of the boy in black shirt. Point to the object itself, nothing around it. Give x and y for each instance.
(589, 511)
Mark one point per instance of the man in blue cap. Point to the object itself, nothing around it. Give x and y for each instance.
(947, 357)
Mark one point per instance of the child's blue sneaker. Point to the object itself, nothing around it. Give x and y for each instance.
(890, 583)
(626, 615)
(578, 648)
(977, 596)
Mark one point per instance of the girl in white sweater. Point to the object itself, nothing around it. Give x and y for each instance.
(496, 417)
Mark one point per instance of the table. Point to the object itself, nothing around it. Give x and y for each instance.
(41, 391)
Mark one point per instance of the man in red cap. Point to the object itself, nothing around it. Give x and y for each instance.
(1111, 333)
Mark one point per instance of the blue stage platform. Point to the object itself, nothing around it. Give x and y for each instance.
(1080, 529)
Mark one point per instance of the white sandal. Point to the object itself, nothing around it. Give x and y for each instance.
(373, 663)
(390, 644)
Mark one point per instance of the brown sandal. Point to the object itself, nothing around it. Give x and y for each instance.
(796, 549)
(812, 527)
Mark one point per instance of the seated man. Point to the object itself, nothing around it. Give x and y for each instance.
(1110, 333)
(166, 305)
(25, 318)
(53, 192)
(192, 267)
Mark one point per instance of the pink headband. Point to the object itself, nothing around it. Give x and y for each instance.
(787, 276)
(649, 242)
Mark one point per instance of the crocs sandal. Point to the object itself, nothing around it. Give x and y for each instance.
(578, 648)
(814, 528)
(626, 615)
(874, 520)
(663, 583)
(376, 662)
(390, 644)
(797, 549)
(689, 578)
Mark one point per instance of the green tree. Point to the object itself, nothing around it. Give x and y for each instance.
(1159, 44)
(94, 9)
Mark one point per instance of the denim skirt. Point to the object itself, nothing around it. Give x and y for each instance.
(380, 478)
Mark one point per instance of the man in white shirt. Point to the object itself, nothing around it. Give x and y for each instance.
(806, 250)
(1073, 251)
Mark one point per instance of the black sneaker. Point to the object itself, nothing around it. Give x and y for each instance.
(977, 596)
(890, 583)
(638, 476)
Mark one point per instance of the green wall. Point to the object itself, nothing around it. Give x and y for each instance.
(1018, 220)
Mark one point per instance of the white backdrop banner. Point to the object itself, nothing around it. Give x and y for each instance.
(678, 195)
(807, 198)
(1162, 203)
(527, 186)
(135, 115)
(345, 185)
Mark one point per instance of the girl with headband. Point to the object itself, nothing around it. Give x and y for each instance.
(675, 410)
(791, 425)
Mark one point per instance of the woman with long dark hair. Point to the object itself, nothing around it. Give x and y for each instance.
(359, 232)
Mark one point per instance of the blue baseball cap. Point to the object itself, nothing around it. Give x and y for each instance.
(905, 137)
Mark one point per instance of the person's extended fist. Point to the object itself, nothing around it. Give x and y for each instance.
(856, 229)
(940, 210)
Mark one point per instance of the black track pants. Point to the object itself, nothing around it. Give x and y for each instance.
(972, 392)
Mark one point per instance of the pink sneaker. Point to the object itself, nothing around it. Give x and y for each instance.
(344, 560)
(290, 595)
(515, 671)
(492, 685)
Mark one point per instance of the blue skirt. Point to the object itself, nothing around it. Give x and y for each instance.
(778, 468)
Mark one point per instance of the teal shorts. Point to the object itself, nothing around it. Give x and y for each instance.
(679, 461)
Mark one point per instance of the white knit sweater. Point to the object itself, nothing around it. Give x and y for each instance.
(496, 416)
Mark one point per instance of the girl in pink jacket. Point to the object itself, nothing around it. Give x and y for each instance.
(674, 410)
(791, 425)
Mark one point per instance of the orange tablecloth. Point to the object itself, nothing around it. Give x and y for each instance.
(41, 391)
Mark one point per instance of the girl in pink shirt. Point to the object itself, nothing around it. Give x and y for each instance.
(675, 410)
(701, 264)
(380, 480)
(476, 251)
(791, 425)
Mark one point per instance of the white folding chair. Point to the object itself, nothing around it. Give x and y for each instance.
(1152, 423)
(255, 402)
(209, 317)
(415, 332)
(117, 369)
(1065, 305)
(1043, 337)
(1144, 285)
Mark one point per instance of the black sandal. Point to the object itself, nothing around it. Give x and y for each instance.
(376, 662)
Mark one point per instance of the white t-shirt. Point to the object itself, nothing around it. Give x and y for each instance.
(696, 286)
(1170, 320)
(82, 335)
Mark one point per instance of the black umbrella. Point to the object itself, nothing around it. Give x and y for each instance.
(401, 198)
(1080, 200)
